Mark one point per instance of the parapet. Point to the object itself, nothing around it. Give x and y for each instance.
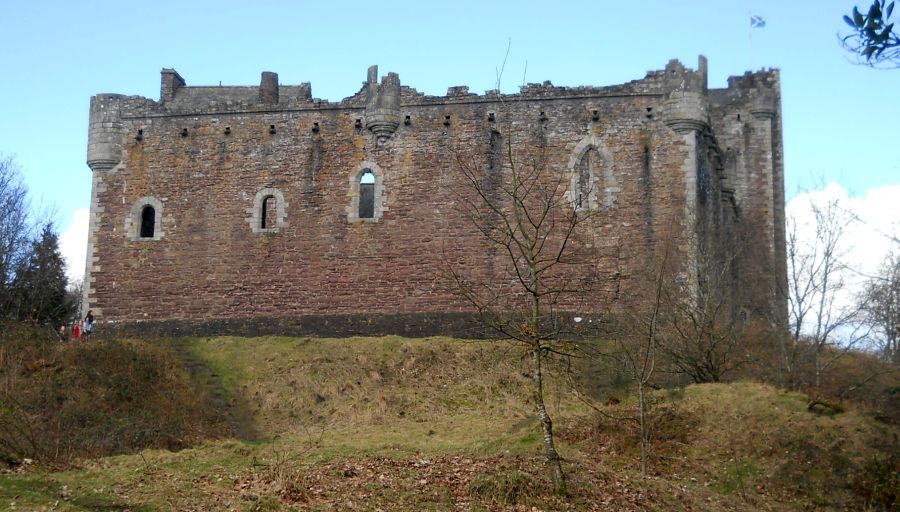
(381, 99)
(683, 90)
(766, 78)
(755, 92)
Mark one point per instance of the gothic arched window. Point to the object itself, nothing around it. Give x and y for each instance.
(592, 181)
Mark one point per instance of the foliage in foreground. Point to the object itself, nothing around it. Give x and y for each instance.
(873, 38)
(32, 271)
(95, 398)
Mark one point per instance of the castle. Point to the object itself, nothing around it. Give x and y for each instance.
(261, 209)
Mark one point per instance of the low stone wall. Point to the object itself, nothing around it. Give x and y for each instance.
(413, 325)
(461, 325)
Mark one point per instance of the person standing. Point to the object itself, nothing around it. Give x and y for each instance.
(88, 324)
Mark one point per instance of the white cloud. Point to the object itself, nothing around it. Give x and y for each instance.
(73, 245)
(871, 221)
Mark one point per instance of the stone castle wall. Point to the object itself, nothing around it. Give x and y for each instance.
(206, 158)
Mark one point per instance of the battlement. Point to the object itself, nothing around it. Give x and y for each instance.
(178, 97)
(767, 78)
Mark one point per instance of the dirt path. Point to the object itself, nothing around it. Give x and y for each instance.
(232, 411)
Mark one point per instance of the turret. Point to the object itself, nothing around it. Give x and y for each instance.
(382, 104)
(104, 133)
(686, 108)
(686, 111)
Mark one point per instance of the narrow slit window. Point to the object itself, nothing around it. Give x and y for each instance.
(268, 212)
(367, 195)
(148, 221)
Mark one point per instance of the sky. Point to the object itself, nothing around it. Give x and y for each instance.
(840, 119)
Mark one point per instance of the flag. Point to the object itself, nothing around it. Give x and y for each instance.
(757, 21)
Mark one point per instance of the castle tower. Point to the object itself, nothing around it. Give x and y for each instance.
(105, 140)
(686, 111)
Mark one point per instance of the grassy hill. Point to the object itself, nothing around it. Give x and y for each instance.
(442, 424)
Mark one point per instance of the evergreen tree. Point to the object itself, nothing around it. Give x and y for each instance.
(39, 286)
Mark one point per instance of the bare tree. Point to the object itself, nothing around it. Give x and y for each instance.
(640, 341)
(15, 230)
(702, 324)
(539, 240)
(881, 306)
(819, 318)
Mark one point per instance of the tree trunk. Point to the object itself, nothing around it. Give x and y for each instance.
(643, 421)
(556, 472)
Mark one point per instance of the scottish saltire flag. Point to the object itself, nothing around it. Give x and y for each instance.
(757, 21)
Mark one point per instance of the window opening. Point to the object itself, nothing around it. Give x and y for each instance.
(586, 170)
(367, 195)
(148, 221)
(268, 212)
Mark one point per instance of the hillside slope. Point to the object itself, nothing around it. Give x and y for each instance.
(443, 424)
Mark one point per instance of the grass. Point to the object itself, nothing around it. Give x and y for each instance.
(304, 387)
(443, 424)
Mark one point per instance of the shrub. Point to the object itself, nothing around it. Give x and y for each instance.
(96, 398)
(506, 488)
(879, 481)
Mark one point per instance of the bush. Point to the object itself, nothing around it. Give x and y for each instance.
(508, 488)
(97, 398)
(879, 481)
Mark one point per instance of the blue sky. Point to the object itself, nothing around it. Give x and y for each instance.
(840, 120)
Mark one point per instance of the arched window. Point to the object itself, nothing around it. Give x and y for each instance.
(148, 221)
(593, 183)
(269, 211)
(368, 200)
(367, 195)
(144, 222)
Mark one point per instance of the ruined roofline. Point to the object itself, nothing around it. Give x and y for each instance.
(175, 91)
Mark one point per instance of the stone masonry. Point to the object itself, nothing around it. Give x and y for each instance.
(244, 209)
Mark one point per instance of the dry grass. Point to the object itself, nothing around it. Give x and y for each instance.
(62, 401)
(442, 424)
(761, 445)
(435, 389)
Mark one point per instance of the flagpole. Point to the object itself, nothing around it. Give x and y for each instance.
(750, 38)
